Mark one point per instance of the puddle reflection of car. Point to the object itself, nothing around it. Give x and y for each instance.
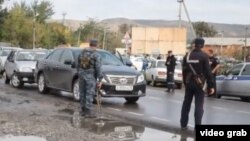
(58, 71)
(114, 130)
(157, 73)
(235, 82)
(20, 65)
(4, 52)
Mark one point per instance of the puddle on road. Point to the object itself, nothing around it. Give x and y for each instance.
(121, 131)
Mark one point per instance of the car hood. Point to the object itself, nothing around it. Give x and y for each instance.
(26, 64)
(118, 70)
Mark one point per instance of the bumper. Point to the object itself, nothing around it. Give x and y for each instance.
(26, 77)
(163, 80)
(108, 90)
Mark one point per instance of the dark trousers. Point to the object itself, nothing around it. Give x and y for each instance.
(170, 81)
(190, 91)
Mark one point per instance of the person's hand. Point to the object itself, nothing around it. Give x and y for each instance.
(99, 85)
(211, 91)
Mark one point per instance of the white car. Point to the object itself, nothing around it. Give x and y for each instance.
(157, 73)
(4, 52)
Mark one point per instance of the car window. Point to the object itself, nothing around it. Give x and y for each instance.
(235, 70)
(161, 64)
(55, 56)
(67, 55)
(5, 52)
(153, 64)
(109, 59)
(246, 70)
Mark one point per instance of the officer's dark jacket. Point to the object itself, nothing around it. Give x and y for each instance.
(170, 63)
(95, 64)
(200, 62)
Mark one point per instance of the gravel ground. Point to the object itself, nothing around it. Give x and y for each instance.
(25, 116)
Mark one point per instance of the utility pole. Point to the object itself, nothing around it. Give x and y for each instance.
(63, 19)
(245, 46)
(34, 28)
(104, 38)
(79, 35)
(180, 1)
(189, 20)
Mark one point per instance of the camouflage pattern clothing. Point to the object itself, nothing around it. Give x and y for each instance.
(89, 69)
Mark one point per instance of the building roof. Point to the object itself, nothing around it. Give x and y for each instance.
(226, 41)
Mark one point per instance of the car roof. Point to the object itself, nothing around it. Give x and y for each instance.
(18, 48)
(78, 48)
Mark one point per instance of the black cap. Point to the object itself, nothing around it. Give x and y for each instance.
(199, 42)
(93, 43)
(170, 51)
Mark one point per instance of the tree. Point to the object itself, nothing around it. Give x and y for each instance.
(202, 29)
(42, 11)
(123, 28)
(3, 14)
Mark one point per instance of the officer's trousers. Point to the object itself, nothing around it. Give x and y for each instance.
(87, 87)
(192, 90)
(170, 80)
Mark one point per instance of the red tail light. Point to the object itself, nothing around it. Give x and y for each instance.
(161, 73)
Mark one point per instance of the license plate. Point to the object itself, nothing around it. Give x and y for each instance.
(123, 129)
(124, 88)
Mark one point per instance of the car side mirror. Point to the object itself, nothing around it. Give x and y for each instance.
(128, 64)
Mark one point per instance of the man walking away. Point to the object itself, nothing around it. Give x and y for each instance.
(90, 76)
(196, 72)
(215, 65)
(170, 63)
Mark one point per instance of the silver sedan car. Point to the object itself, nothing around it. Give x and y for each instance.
(20, 65)
(235, 82)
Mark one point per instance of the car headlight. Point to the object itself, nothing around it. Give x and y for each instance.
(140, 78)
(25, 69)
(104, 80)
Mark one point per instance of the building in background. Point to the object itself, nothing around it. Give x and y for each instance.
(228, 46)
(155, 41)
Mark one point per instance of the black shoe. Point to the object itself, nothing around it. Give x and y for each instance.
(184, 128)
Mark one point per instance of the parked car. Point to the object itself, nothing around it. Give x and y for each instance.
(20, 65)
(157, 73)
(235, 82)
(58, 71)
(4, 52)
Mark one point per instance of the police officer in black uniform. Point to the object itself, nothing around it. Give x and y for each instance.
(199, 62)
(214, 63)
(170, 63)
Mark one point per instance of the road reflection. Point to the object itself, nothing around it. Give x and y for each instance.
(121, 131)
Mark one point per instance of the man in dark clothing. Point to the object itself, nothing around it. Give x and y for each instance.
(196, 61)
(214, 63)
(90, 76)
(159, 57)
(170, 63)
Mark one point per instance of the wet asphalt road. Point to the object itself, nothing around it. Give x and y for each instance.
(158, 109)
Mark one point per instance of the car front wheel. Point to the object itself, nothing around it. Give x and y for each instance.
(132, 99)
(76, 90)
(42, 88)
(15, 81)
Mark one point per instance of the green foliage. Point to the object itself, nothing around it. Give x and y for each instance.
(202, 29)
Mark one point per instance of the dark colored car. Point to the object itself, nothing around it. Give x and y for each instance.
(58, 71)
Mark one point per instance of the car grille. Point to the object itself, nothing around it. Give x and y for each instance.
(121, 80)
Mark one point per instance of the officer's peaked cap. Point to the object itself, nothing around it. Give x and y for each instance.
(199, 42)
(93, 42)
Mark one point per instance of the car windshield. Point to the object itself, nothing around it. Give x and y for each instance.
(30, 55)
(5, 52)
(161, 64)
(106, 57)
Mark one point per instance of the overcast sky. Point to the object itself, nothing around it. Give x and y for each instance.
(219, 11)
